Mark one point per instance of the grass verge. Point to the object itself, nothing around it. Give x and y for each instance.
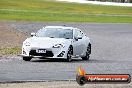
(43, 10)
(10, 51)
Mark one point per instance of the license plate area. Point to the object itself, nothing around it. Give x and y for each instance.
(41, 51)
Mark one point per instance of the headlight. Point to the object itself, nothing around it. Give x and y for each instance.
(58, 45)
(27, 43)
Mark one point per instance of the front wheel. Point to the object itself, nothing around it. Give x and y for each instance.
(69, 54)
(27, 58)
(88, 52)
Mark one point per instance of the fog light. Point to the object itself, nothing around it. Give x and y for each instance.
(24, 52)
(61, 54)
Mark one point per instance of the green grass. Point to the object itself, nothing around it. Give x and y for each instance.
(42, 10)
(10, 51)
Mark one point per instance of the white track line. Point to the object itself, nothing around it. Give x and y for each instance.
(99, 3)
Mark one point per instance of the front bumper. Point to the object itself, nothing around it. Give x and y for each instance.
(50, 52)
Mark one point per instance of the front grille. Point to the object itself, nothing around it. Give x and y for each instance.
(47, 54)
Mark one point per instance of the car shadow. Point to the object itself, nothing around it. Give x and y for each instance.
(79, 61)
(57, 60)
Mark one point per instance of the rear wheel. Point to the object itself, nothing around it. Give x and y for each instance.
(69, 54)
(27, 58)
(88, 52)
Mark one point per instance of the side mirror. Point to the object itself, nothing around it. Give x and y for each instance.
(33, 34)
(78, 37)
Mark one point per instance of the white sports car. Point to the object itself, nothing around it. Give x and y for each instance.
(57, 42)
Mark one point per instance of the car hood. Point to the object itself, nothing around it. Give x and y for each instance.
(46, 42)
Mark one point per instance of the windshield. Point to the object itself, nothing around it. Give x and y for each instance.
(55, 33)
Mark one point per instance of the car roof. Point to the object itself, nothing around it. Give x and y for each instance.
(61, 27)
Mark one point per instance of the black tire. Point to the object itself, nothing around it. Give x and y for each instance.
(27, 58)
(87, 53)
(69, 54)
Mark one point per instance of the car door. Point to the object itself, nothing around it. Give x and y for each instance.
(84, 43)
(78, 43)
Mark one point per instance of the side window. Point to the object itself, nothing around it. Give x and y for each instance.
(78, 33)
(82, 34)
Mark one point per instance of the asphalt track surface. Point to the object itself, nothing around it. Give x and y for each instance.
(111, 54)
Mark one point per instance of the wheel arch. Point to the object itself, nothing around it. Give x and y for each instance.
(71, 47)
